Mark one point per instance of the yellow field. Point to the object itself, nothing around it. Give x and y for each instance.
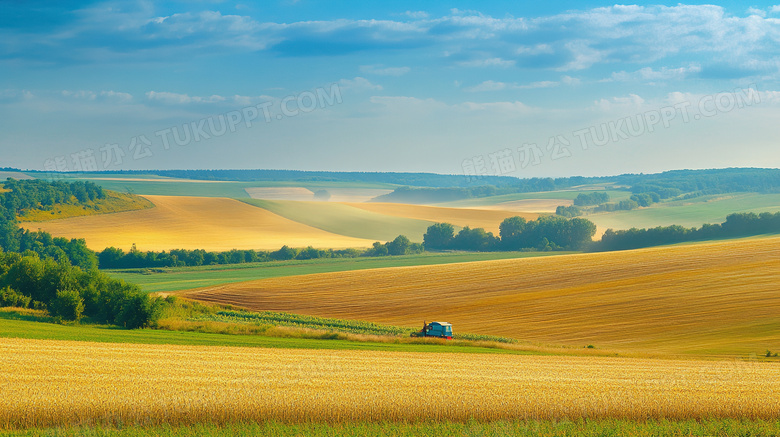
(531, 205)
(280, 193)
(47, 383)
(474, 218)
(304, 194)
(714, 298)
(195, 223)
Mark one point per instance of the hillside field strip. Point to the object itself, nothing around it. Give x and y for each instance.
(304, 194)
(60, 383)
(165, 186)
(715, 298)
(208, 223)
(461, 217)
(185, 278)
(382, 221)
(689, 213)
(345, 220)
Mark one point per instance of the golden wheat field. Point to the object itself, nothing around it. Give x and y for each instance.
(208, 223)
(713, 298)
(474, 218)
(47, 383)
(531, 205)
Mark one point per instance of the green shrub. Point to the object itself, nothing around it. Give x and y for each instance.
(69, 305)
(10, 298)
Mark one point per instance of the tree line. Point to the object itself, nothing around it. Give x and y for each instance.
(57, 274)
(515, 233)
(28, 194)
(736, 225)
(114, 258)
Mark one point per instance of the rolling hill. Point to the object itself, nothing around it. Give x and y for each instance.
(195, 223)
(710, 298)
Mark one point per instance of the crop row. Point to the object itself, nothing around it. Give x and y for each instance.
(327, 324)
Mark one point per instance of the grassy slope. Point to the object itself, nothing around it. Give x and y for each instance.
(345, 220)
(689, 213)
(709, 298)
(184, 278)
(13, 325)
(112, 203)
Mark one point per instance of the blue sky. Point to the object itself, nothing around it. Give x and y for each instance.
(476, 88)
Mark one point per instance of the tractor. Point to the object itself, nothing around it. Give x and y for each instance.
(435, 329)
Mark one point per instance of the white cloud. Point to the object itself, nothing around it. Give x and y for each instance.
(384, 71)
(407, 105)
(12, 95)
(615, 34)
(81, 94)
(358, 84)
(417, 15)
(490, 62)
(116, 96)
(651, 75)
(632, 101)
(181, 99)
(488, 85)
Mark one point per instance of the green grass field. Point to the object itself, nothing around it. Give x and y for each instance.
(185, 278)
(16, 325)
(345, 220)
(688, 213)
(545, 428)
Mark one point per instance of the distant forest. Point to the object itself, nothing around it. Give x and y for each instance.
(436, 188)
(686, 183)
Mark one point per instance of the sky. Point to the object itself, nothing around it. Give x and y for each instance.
(523, 89)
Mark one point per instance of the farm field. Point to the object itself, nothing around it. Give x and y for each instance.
(716, 298)
(18, 324)
(178, 385)
(184, 278)
(688, 213)
(516, 428)
(345, 220)
(461, 217)
(304, 194)
(552, 196)
(195, 223)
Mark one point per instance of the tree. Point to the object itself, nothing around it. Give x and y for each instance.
(399, 246)
(581, 232)
(475, 239)
(511, 232)
(323, 195)
(310, 253)
(378, 249)
(439, 236)
(285, 253)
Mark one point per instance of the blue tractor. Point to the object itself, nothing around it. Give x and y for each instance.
(435, 329)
